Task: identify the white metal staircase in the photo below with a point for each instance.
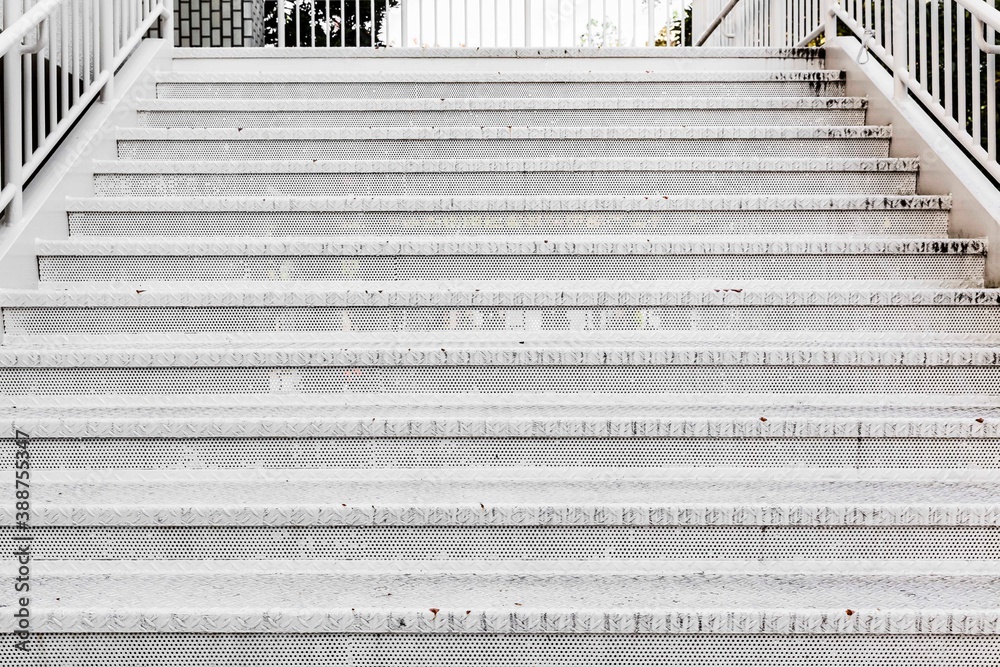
(549, 361)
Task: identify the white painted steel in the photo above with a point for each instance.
(911, 50)
(78, 45)
(607, 391)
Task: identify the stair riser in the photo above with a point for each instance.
(396, 649)
(950, 270)
(520, 89)
(506, 543)
(864, 381)
(502, 118)
(924, 223)
(32, 323)
(737, 446)
(495, 149)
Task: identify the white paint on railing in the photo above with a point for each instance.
(74, 49)
(955, 82)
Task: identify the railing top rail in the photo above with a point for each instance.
(11, 37)
(983, 11)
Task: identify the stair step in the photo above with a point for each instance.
(395, 649)
(485, 498)
(539, 84)
(498, 143)
(497, 59)
(500, 369)
(948, 263)
(887, 215)
(245, 597)
(642, 177)
(503, 112)
(510, 548)
(35, 318)
(512, 421)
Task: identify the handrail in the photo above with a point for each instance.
(716, 22)
(925, 68)
(79, 46)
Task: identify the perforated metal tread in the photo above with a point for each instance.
(523, 294)
(643, 177)
(504, 112)
(476, 603)
(950, 263)
(580, 650)
(301, 84)
(464, 76)
(291, 87)
(499, 143)
(885, 215)
(520, 549)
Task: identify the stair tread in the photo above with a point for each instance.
(848, 132)
(402, 350)
(536, 245)
(539, 203)
(501, 104)
(511, 294)
(458, 76)
(819, 164)
(268, 599)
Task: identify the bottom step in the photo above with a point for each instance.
(391, 650)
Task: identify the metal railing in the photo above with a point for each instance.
(74, 50)
(943, 53)
(479, 23)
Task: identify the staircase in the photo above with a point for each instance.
(562, 361)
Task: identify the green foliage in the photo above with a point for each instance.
(361, 26)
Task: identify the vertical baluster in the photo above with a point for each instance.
(496, 22)
(451, 23)
(26, 112)
(911, 32)
(52, 105)
(991, 98)
(420, 22)
(948, 89)
(510, 22)
(64, 59)
(527, 23)
(357, 22)
(86, 46)
(545, 31)
(343, 23)
(975, 70)
(559, 23)
(39, 60)
(960, 84)
(328, 26)
(935, 53)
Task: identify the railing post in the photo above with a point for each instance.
(899, 39)
(107, 33)
(167, 25)
(13, 155)
(829, 20)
